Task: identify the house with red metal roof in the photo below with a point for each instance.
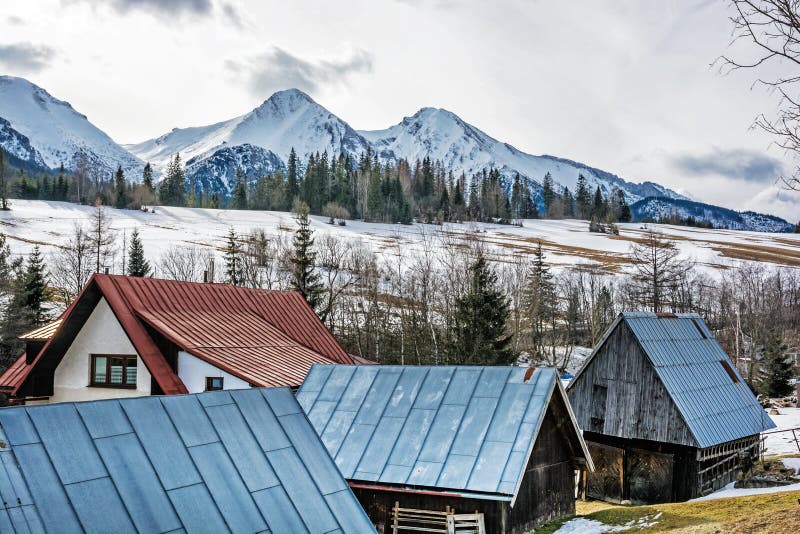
(127, 337)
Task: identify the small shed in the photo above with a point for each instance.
(497, 443)
(224, 461)
(666, 414)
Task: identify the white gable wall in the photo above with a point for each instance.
(193, 372)
(101, 334)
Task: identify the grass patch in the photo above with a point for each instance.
(775, 513)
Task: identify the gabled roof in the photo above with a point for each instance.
(466, 430)
(267, 338)
(240, 460)
(687, 358)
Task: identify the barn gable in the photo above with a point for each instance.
(619, 393)
(678, 384)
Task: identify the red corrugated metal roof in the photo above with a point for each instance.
(13, 377)
(267, 338)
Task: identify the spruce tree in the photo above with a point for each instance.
(599, 205)
(548, 193)
(3, 184)
(138, 265)
(777, 371)
(234, 269)
(35, 291)
(121, 195)
(239, 200)
(292, 183)
(147, 177)
(583, 199)
(540, 301)
(480, 336)
(305, 279)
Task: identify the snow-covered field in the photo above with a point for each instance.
(783, 443)
(567, 243)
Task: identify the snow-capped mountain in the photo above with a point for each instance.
(286, 119)
(56, 134)
(664, 209)
(216, 172)
(441, 135)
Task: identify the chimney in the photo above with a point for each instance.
(105, 270)
(205, 277)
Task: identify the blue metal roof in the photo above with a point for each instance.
(687, 357)
(238, 461)
(458, 429)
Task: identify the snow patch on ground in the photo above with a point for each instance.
(581, 525)
(783, 443)
(792, 463)
(730, 491)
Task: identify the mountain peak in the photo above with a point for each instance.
(288, 100)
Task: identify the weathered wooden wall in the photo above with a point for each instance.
(547, 491)
(620, 394)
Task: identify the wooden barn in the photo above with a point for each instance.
(495, 448)
(666, 415)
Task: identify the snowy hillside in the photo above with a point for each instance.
(656, 209)
(567, 243)
(286, 119)
(56, 132)
(442, 135)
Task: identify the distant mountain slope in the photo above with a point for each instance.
(442, 135)
(57, 132)
(286, 119)
(216, 172)
(660, 209)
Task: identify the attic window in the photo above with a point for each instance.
(697, 325)
(214, 383)
(728, 369)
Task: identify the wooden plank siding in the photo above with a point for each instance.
(637, 405)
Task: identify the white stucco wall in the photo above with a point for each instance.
(101, 334)
(193, 372)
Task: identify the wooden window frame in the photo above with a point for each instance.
(210, 379)
(125, 358)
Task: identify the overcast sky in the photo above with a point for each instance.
(623, 85)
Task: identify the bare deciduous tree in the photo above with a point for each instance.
(73, 265)
(186, 264)
(658, 271)
(773, 27)
(102, 238)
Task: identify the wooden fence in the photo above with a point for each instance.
(447, 522)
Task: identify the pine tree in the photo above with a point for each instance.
(548, 193)
(540, 301)
(583, 199)
(35, 291)
(479, 336)
(239, 200)
(147, 178)
(3, 185)
(292, 183)
(234, 269)
(172, 190)
(138, 265)
(777, 367)
(121, 196)
(305, 279)
(599, 205)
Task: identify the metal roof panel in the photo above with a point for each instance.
(448, 428)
